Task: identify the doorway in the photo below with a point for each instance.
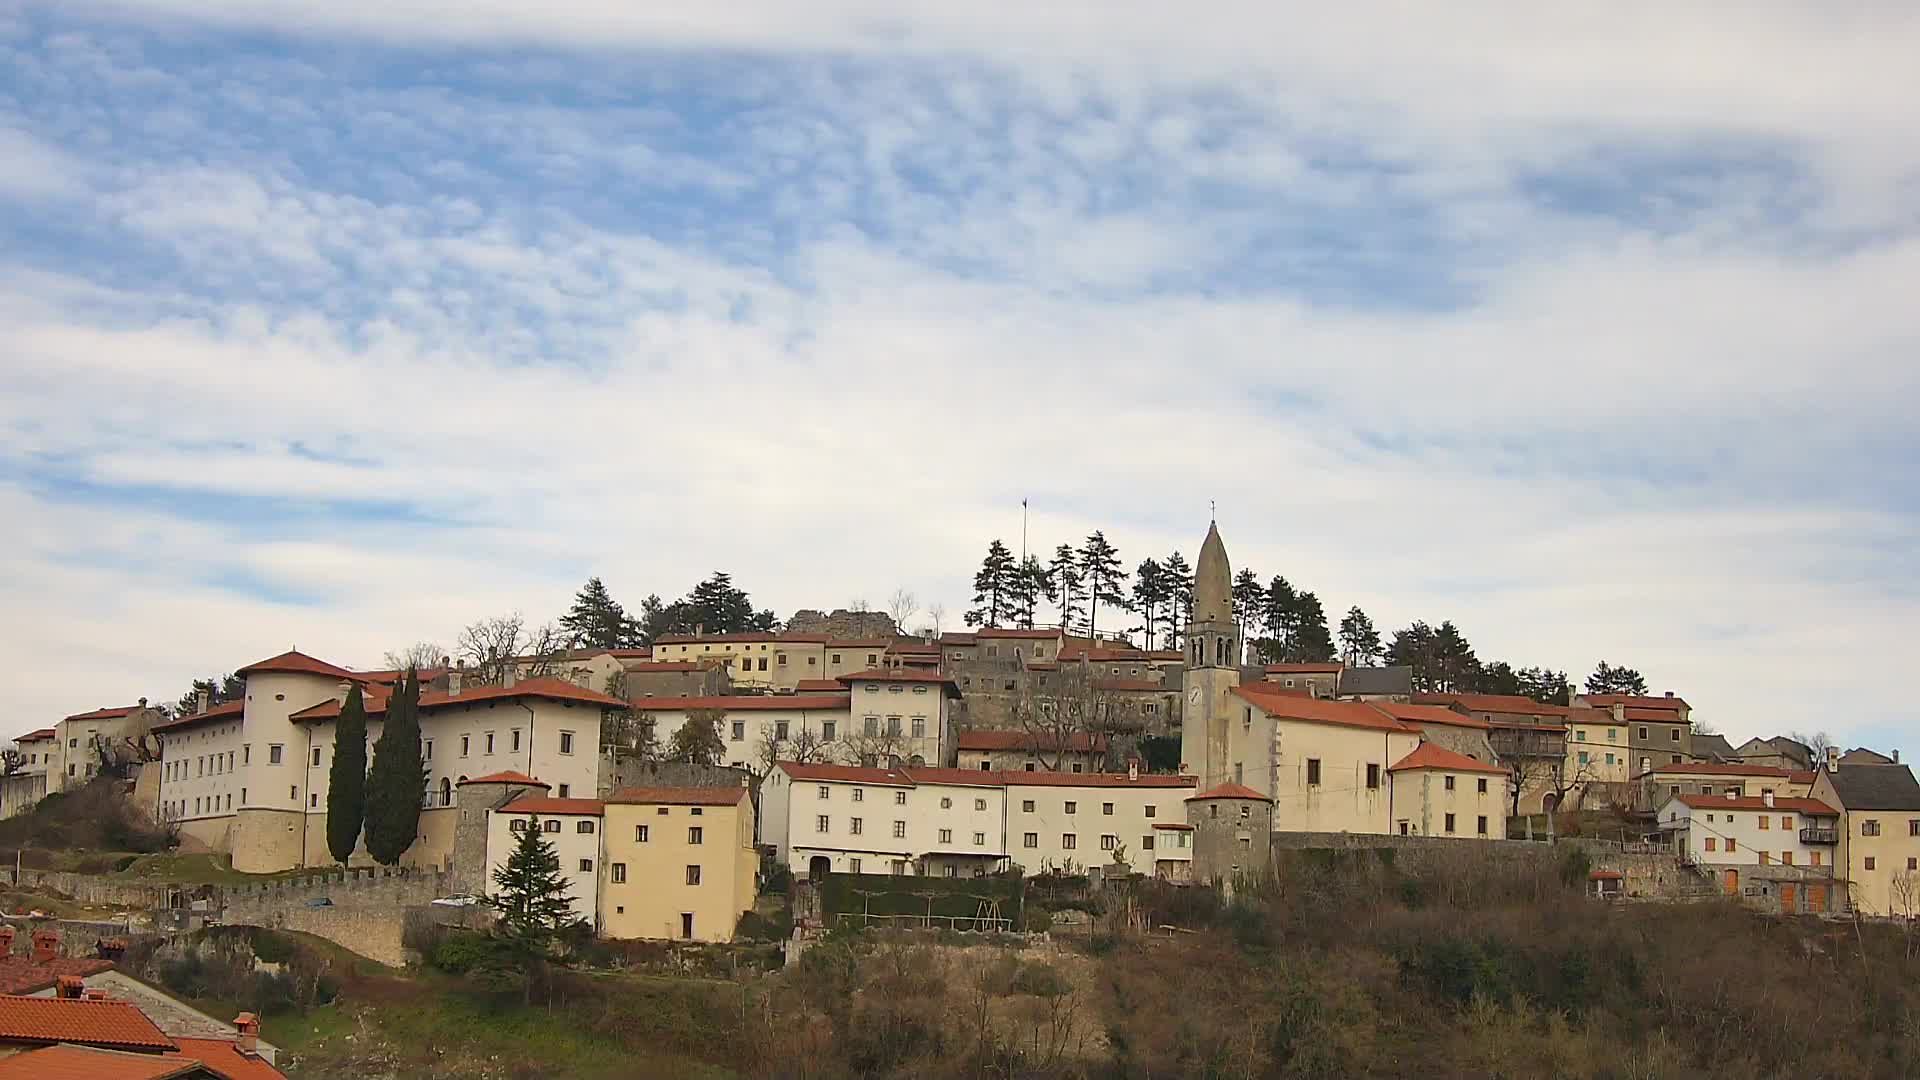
(1732, 882)
(1789, 898)
(686, 925)
(1817, 899)
(819, 867)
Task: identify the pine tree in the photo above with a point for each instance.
(698, 739)
(398, 777)
(1456, 666)
(1149, 593)
(993, 587)
(1359, 641)
(1105, 578)
(347, 779)
(1312, 644)
(1249, 598)
(532, 892)
(1064, 576)
(1607, 679)
(1180, 598)
(1029, 585)
(1279, 617)
(716, 606)
(596, 620)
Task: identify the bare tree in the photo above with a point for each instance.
(11, 761)
(1819, 742)
(547, 654)
(902, 605)
(492, 645)
(936, 616)
(1060, 708)
(805, 746)
(880, 747)
(420, 654)
(628, 734)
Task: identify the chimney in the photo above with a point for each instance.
(1133, 768)
(6, 940)
(456, 679)
(206, 699)
(248, 1041)
(46, 946)
(1669, 693)
(1833, 758)
(94, 993)
(1896, 757)
(509, 673)
(1767, 798)
(143, 703)
(68, 987)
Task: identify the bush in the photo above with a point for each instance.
(757, 927)
(271, 947)
(1039, 920)
(1039, 979)
(1575, 867)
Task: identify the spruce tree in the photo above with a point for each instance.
(531, 892)
(1607, 679)
(1279, 619)
(1311, 641)
(993, 587)
(347, 779)
(597, 620)
(398, 777)
(1105, 578)
(1029, 584)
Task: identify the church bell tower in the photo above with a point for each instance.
(1213, 668)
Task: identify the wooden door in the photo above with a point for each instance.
(1817, 898)
(1733, 882)
(1789, 898)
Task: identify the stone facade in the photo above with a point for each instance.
(1232, 834)
(469, 848)
(842, 624)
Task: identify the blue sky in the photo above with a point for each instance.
(346, 327)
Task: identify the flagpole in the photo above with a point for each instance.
(1023, 532)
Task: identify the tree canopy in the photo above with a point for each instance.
(698, 739)
(398, 777)
(347, 779)
(1607, 679)
(994, 588)
(598, 621)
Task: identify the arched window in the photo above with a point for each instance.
(1220, 651)
(446, 792)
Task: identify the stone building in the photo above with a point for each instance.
(1232, 834)
(479, 798)
(1320, 680)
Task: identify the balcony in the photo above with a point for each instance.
(1819, 836)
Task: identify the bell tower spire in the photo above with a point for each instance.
(1213, 666)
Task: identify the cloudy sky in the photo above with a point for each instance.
(1595, 332)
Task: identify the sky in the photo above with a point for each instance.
(1593, 329)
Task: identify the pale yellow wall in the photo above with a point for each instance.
(266, 841)
(1600, 741)
(924, 702)
(649, 904)
(1341, 802)
(571, 845)
(1891, 887)
(1048, 824)
(1421, 801)
(804, 660)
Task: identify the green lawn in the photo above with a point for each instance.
(198, 869)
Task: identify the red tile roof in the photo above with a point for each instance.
(87, 1063)
(1637, 701)
(1806, 776)
(20, 975)
(849, 773)
(819, 686)
(960, 777)
(991, 739)
(540, 804)
(685, 796)
(544, 688)
(116, 1024)
(36, 736)
(1304, 669)
(746, 702)
(1434, 756)
(1711, 768)
(1754, 802)
(105, 714)
(1657, 716)
(223, 1057)
(1515, 704)
(904, 675)
(293, 662)
(1006, 632)
(1293, 707)
(914, 647)
(754, 636)
(1131, 686)
(1526, 725)
(961, 640)
(1020, 778)
(507, 778)
(1428, 714)
(1229, 791)
(226, 710)
(906, 776)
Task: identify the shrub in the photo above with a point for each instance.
(1039, 979)
(271, 947)
(1039, 920)
(1575, 866)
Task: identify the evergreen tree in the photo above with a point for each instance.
(398, 777)
(698, 739)
(597, 621)
(1248, 600)
(1029, 585)
(716, 606)
(1105, 578)
(1359, 641)
(531, 892)
(1180, 595)
(1149, 593)
(347, 778)
(1545, 685)
(1279, 617)
(1414, 648)
(1312, 644)
(993, 587)
(1455, 666)
(220, 690)
(1607, 679)
(1064, 576)
(658, 619)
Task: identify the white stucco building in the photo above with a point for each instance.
(573, 826)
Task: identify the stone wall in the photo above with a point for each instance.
(115, 892)
(628, 773)
(367, 916)
(842, 624)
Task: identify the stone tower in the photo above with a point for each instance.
(1213, 667)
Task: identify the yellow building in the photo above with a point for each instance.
(1596, 748)
(1878, 845)
(1437, 792)
(775, 661)
(680, 863)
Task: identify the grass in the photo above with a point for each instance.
(201, 869)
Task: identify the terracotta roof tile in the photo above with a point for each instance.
(105, 714)
(36, 736)
(544, 688)
(1428, 714)
(223, 1057)
(733, 703)
(1071, 779)
(849, 773)
(1753, 802)
(507, 778)
(540, 804)
(1513, 704)
(819, 686)
(1229, 791)
(956, 777)
(226, 710)
(1434, 756)
(686, 796)
(20, 975)
(88, 1063)
(293, 662)
(114, 1024)
(905, 675)
(1345, 713)
(1005, 632)
(1637, 701)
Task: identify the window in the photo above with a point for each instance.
(586, 866)
(1026, 806)
(696, 834)
(514, 739)
(639, 834)
(836, 658)
(313, 800)
(853, 866)
(1730, 843)
(946, 802)
(1869, 827)
(1786, 858)
(763, 667)
(739, 730)
(1814, 857)
(1765, 857)
(1146, 843)
(1913, 863)
(826, 731)
(1106, 809)
(617, 873)
(823, 792)
(893, 725)
(859, 794)
(1579, 736)
(1449, 823)
(979, 839)
(855, 825)
(1765, 822)
(780, 659)
(489, 742)
(1109, 842)
(820, 823)
(979, 804)
(316, 759)
(1482, 790)
(1373, 776)
(899, 798)
(1031, 840)
(1068, 840)
(550, 825)
(565, 789)
(583, 828)
(1712, 845)
(1673, 734)
(1481, 825)
(516, 825)
(1150, 811)
(1643, 734)
(1868, 862)
(292, 792)
(871, 725)
(426, 750)
(779, 731)
(1076, 766)
(466, 744)
(1449, 783)
(919, 727)
(1073, 807)
(946, 836)
(899, 830)
(693, 878)
(1913, 826)
(1313, 772)
(273, 754)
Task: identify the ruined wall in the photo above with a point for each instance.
(843, 624)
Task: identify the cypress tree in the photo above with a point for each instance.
(398, 777)
(347, 779)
